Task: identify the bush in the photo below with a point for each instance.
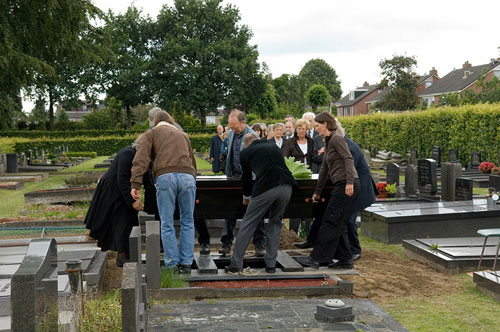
(92, 154)
(466, 128)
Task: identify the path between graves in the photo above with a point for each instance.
(384, 276)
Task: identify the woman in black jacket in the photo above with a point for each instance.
(300, 146)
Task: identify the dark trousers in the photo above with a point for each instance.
(332, 241)
(259, 236)
(352, 234)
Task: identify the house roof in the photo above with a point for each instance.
(344, 101)
(456, 81)
(378, 96)
(420, 79)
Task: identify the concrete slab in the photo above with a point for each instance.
(11, 259)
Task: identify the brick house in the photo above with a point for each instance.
(354, 103)
(459, 80)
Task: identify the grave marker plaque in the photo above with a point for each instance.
(436, 154)
(463, 189)
(393, 174)
(475, 159)
(411, 180)
(414, 157)
(427, 176)
(449, 173)
(453, 157)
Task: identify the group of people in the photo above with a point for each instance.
(162, 160)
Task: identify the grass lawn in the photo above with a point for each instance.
(86, 166)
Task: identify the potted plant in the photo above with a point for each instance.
(391, 190)
(486, 167)
(382, 189)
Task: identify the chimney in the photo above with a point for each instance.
(466, 65)
(365, 85)
(433, 72)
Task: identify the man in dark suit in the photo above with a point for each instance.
(271, 192)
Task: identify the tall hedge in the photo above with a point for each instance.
(466, 128)
(103, 146)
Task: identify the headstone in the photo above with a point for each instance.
(463, 189)
(393, 174)
(36, 153)
(375, 152)
(427, 176)
(436, 154)
(414, 157)
(449, 173)
(23, 159)
(384, 155)
(43, 156)
(30, 157)
(411, 180)
(494, 182)
(475, 160)
(453, 157)
(153, 254)
(34, 304)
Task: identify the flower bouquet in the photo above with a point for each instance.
(486, 167)
(382, 189)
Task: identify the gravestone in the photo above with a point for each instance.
(36, 153)
(475, 160)
(393, 174)
(427, 176)
(34, 304)
(463, 189)
(30, 157)
(43, 156)
(411, 180)
(153, 254)
(453, 157)
(23, 159)
(436, 155)
(414, 157)
(494, 182)
(449, 173)
(375, 152)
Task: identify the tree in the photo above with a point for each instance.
(267, 105)
(126, 73)
(317, 95)
(290, 89)
(401, 81)
(318, 71)
(202, 58)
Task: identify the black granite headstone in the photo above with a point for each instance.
(453, 155)
(427, 176)
(413, 156)
(463, 189)
(449, 173)
(494, 182)
(411, 180)
(393, 174)
(436, 154)
(475, 159)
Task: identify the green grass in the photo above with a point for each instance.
(86, 166)
(103, 313)
(170, 279)
(466, 310)
(371, 244)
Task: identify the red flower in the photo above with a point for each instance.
(381, 187)
(486, 167)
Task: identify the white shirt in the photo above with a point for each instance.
(303, 147)
(279, 143)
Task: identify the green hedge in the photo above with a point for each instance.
(465, 128)
(91, 133)
(92, 154)
(103, 146)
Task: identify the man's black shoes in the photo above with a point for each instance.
(303, 245)
(342, 265)
(230, 269)
(225, 250)
(183, 268)
(308, 261)
(270, 270)
(205, 249)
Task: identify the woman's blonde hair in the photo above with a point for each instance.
(302, 122)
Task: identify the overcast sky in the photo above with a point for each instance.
(353, 36)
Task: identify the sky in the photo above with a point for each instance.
(354, 36)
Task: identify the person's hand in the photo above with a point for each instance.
(321, 151)
(315, 198)
(349, 189)
(135, 193)
(137, 205)
(246, 201)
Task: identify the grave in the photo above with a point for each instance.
(393, 174)
(436, 155)
(53, 196)
(475, 160)
(395, 222)
(453, 155)
(411, 180)
(488, 282)
(449, 174)
(452, 255)
(11, 185)
(494, 182)
(427, 176)
(463, 189)
(413, 157)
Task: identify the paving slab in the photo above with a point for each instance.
(260, 315)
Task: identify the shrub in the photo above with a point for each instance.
(81, 154)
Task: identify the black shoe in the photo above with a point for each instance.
(205, 249)
(225, 249)
(270, 270)
(260, 252)
(342, 265)
(303, 245)
(183, 268)
(230, 269)
(308, 261)
(355, 257)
